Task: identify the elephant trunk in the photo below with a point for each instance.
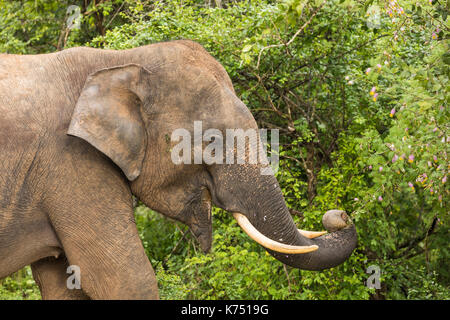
(267, 220)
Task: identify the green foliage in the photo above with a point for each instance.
(40, 26)
(359, 92)
(170, 285)
(19, 286)
(29, 26)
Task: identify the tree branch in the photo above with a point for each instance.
(413, 242)
(293, 37)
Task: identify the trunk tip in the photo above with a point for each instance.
(334, 220)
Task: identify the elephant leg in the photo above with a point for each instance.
(51, 277)
(95, 224)
(105, 247)
(90, 207)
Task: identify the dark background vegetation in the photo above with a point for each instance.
(359, 92)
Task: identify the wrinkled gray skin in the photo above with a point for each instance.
(82, 130)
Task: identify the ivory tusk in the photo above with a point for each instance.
(311, 234)
(245, 224)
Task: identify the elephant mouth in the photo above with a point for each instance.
(197, 215)
(273, 245)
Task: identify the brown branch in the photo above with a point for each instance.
(409, 245)
(176, 245)
(294, 159)
(114, 16)
(275, 109)
(293, 37)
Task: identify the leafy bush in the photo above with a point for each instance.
(19, 286)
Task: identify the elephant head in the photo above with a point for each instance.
(130, 112)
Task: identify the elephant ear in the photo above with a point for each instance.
(108, 115)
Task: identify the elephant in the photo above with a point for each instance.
(84, 130)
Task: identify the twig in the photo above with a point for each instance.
(176, 246)
(287, 276)
(114, 16)
(293, 37)
(408, 246)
